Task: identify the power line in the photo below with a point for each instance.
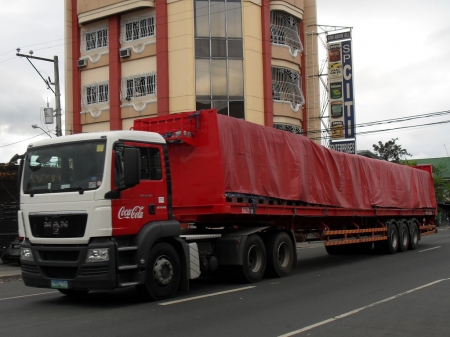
(20, 141)
(386, 130)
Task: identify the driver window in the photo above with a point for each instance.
(150, 163)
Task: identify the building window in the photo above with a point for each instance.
(284, 30)
(98, 93)
(141, 86)
(140, 28)
(96, 39)
(286, 87)
(219, 56)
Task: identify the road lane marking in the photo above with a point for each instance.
(425, 250)
(309, 327)
(15, 297)
(204, 296)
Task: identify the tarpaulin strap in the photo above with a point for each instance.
(254, 205)
(196, 114)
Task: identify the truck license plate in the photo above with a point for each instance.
(59, 284)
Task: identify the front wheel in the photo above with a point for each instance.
(162, 274)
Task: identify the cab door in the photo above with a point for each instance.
(147, 201)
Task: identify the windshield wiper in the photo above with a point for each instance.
(71, 189)
(39, 191)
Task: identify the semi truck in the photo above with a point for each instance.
(193, 193)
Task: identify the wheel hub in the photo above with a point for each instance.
(254, 258)
(163, 271)
(283, 255)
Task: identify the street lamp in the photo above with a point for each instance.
(35, 126)
(56, 84)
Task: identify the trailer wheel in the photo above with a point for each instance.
(392, 241)
(403, 235)
(280, 255)
(162, 273)
(413, 235)
(254, 264)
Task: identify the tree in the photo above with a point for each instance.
(441, 185)
(390, 151)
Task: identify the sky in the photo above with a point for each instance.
(401, 49)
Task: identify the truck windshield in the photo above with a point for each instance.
(63, 168)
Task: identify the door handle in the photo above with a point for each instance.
(151, 209)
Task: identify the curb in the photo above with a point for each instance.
(10, 278)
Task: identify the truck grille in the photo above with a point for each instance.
(60, 272)
(58, 226)
(30, 269)
(94, 271)
(59, 255)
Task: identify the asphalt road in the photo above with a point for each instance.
(405, 294)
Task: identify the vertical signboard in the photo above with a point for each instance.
(340, 86)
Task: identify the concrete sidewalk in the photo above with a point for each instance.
(9, 271)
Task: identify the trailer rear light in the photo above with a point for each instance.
(97, 255)
(26, 254)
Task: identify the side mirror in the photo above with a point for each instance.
(131, 166)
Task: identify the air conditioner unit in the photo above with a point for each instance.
(125, 52)
(82, 63)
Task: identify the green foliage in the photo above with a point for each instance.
(390, 151)
(441, 185)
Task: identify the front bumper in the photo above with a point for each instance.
(67, 265)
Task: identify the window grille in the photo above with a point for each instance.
(286, 86)
(284, 30)
(140, 86)
(140, 28)
(289, 128)
(97, 39)
(96, 94)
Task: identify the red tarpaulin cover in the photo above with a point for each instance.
(265, 161)
(231, 155)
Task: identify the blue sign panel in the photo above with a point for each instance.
(347, 90)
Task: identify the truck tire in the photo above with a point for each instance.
(280, 255)
(254, 259)
(413, 235)
(403, 235)
(162, 273)
(389, 246)
(392, 242)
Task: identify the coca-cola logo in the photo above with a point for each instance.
(131, 213)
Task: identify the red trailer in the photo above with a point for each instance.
(194, 192)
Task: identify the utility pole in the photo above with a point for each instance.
(48, 82)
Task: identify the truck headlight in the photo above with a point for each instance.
(97, 255)
(26, 254)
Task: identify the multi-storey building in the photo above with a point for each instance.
(127, 59)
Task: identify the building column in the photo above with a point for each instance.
(267, 63)
(303, 72)
(115, 73)
(162, 58)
